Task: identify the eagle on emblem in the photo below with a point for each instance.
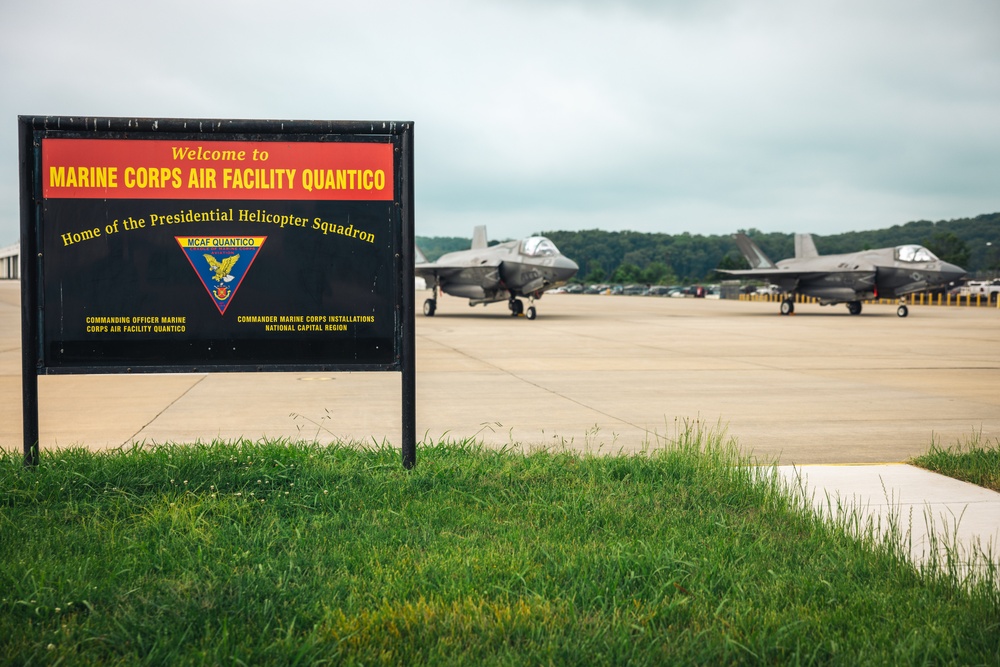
(222, 268)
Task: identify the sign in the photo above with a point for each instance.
(178, 245)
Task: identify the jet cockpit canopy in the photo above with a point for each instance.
(914, 253)
(538, 246)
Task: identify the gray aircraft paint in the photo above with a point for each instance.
(504, 272)
(848, 278)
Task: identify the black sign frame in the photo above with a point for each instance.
(360, 318)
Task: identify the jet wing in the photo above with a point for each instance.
(767, 274)
(792, 274)
(482, 271)
(834, 283)
(784, 279)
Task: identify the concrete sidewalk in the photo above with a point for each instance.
(934, 513)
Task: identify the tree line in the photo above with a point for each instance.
(668, 259)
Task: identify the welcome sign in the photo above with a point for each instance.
(184, 248)
(180, 245)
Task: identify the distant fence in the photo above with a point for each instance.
(920, 299)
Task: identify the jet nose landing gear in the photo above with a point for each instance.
(430, 305)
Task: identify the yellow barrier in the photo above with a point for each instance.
(921, 299)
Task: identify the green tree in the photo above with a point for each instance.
(435, 246)
(694, 257)
(992, 262)
(733, 262)
(948, 247)
(627, 273)
(596, 274)
(658, 273)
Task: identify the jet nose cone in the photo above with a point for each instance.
(565, 268)
(951, 273)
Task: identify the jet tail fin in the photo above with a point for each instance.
(754, 255)
(804, 246)
(479, 238)
(418, 256)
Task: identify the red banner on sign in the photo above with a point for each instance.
(153, 169)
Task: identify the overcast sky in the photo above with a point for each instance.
(701, 116)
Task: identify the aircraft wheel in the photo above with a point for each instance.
(516, 307)
(787, 307)
(430, 305)
(903, 311)
(854, 307)
(531, 313)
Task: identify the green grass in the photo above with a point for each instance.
(972, 461)
(282, 553)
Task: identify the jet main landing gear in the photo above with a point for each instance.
(517, 309)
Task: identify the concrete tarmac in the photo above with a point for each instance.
(592, 373)
(595, 373)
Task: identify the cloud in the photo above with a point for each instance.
(676, 116)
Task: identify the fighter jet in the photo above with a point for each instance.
(488, 274)
(850, 278)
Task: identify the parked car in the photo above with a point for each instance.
(984, 289)
(696, 291)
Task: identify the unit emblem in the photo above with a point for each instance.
(221, 263)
